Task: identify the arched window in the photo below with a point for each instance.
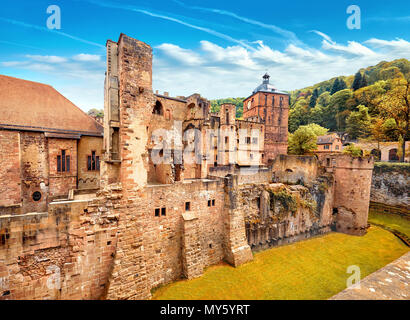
(393, 155)
(158, 109)
(168, 114)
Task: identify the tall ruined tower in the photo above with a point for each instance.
(129, 101)
(127, 109)
(269, 106)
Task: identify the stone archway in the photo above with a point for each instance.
(393, 155)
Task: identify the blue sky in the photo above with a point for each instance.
(216, 48)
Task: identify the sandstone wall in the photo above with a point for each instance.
(10, 182)
(276, 213)
(88, 179)
(352, 192)
(35, 170)
(61, 182)
(292, 169)
(391, 184)
(65, 253)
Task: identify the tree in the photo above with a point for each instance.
(358, 123)
(338, 109)
(313, 99)
(395, 104)
(96, 113)
(370, 96)
(377, 132)
(298, 115)
(342, 84)
(357, 82)
(335, 87)
(363, 83)
(304, 139)
(353, 150)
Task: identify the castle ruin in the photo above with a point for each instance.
(181, 188)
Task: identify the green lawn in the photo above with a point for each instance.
(392, 221)
(311, 269)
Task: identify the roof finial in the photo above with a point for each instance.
(266, 78)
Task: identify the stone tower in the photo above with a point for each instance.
(269, 106)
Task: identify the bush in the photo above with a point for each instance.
(353, 150)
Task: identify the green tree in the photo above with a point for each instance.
(338, 110)
(298, 115)
(96, 113)
(304, 139)
(335, 87)
(395, 104)
(353, 150)
(357, 82)
(313, 98)
(358, 123)
(342, 84)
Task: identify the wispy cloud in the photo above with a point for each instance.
(70, 75)
(389, 19)
(236, 71)
(87, 57)
(285, 33)
(32, 26)
(169, 18)
(48, 59)
(20, 45)
(352, 47)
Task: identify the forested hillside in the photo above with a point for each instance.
(216, 104)
(372, 103)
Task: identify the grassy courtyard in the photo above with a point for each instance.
(311, 269)
(392, 221)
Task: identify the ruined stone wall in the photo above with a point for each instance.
(61, 182)
(292, 169)
(390, 184)
(353, 176)
(34, 170)
(277, 214)
(65, 253)
(10, 182)
(88, 179)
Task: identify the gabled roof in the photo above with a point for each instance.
(327, 139)
(27, 105)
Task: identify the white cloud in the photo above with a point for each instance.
(235, 71)
(86, 57)
(183, 56)
(48, 59)
(216, 71)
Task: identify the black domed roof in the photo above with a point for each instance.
(265, 86)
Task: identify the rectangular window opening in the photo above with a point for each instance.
(157, 211)
(187, 206)
(163, 211)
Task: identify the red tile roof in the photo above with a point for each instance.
(27, 105)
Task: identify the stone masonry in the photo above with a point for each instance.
(153, 223)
